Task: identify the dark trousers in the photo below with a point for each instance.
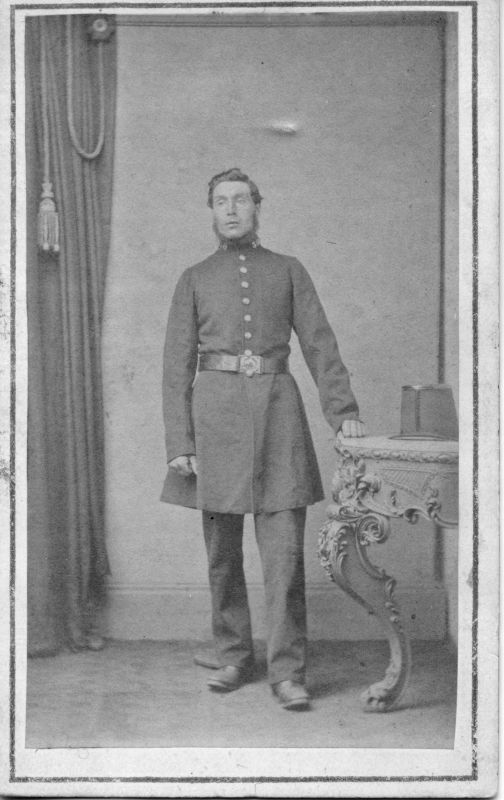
(279, 537)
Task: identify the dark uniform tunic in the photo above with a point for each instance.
(250, 434)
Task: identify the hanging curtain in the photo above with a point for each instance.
(67, 559)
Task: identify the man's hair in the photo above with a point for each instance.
(233, 174)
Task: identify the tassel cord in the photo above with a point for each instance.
(89, 155)
(45, 114)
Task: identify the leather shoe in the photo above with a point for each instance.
(227, 679)
(292, 695)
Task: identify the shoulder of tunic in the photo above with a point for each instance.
(289, 261)
(213, 258)
(298, 273)
(193, 271)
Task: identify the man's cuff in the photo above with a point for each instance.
(187, 455)
(340, 420)
(182, 448)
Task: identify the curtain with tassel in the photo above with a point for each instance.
(70, 118)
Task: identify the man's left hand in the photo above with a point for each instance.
(353, 427)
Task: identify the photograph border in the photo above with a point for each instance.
(110, 6)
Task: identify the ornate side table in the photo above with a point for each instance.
(379, 479)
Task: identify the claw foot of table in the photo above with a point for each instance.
(343, 553)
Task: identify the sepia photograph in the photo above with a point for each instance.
(250, 329)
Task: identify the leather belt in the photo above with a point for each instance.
(249, 365)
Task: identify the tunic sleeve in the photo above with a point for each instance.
(179, 368)
(320, 350)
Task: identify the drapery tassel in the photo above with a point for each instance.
(48, 221)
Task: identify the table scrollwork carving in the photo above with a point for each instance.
(370, 489)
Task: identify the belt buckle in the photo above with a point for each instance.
(250, 365)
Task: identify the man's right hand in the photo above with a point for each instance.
(184, 465)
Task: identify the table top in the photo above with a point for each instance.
(421, 449)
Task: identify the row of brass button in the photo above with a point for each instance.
(247, 317)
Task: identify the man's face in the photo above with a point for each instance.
(234, 211)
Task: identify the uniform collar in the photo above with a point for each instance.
(246, 243)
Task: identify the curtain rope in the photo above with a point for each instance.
(69, 87)
(45, 115)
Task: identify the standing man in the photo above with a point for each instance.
(237, 437)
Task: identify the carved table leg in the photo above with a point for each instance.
(343, 546)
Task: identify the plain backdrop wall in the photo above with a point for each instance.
(354, 192)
